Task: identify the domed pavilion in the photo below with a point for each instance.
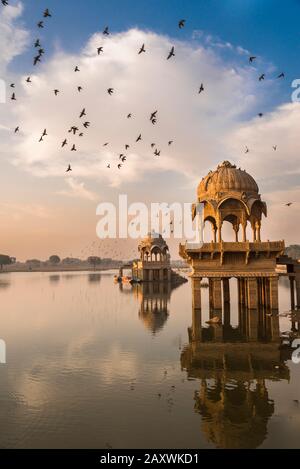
(155, 260)
(230, 194)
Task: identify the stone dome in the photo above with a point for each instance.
(153, 240)
(227, 178)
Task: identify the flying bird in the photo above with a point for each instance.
(252, 58)
(64, 143)
(36, 59)
(4, 2)
(262, 77)
(142, 49)
(73, 148)
(275, 147)
(153, 115)
(289, 204)
(110, 91)
(83, 113)
(282, 75)
(28, 80)
(86, 124)
(56, 92)
(201, 89)
(181, 24)
(129, 116)
(171, 54)
(40, 24)
(79, 89)
(37, 43)
(170, 143)
(47, 14)
(139, 139)
(76, 69)
(69, 169)
(100, 50)
(12, 85)
(106, 31)
(247, 150)
(13, 97)
(17, 129)
(260, 114)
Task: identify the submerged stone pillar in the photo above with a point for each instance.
(274, 300)
(292, 290)
(217, 294)
(196, 286)
(226, 290)
(252, 293)
(298, 290)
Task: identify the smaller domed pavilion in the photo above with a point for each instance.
(155, 261)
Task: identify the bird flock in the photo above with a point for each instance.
(79, 130)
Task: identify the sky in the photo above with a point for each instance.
(45, 211)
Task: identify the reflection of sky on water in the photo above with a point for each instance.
(85, 369)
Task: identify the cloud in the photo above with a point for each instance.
(196, 123)
(77, 190)
(13, 38)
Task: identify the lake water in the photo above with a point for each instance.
(91, 365)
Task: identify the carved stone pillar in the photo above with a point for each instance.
(252, 293)
(292, 290)
(298, 290)
(196, 286)
(217, 294)
(274, 301)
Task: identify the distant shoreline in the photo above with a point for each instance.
(50, 269)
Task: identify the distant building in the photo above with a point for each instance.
(154, 264)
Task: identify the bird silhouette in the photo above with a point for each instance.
(13, 97)
(171, 53)
(83, 113)
(106, 31)
(110, 91)
(47, 14)
(275, 147)
(64, 143)
(40, 24)
(289, 204)
(282, 75)
(76, 69)
(181, 24)
(37, 43)
(69, 169)
(86, 124)
(142, 49)
(73, 148)
(36, 60)
(56, 92)
(260, 114)
(100, 50)
(17, 129)
(139, 139)
(252, 58)
(262, 77)
(28, 80)
(79, 89)
(201, 89)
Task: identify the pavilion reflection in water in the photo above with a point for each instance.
(234, 365)
(154, 299)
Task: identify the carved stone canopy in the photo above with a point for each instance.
(231, 194)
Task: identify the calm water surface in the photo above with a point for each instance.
(90, 365)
